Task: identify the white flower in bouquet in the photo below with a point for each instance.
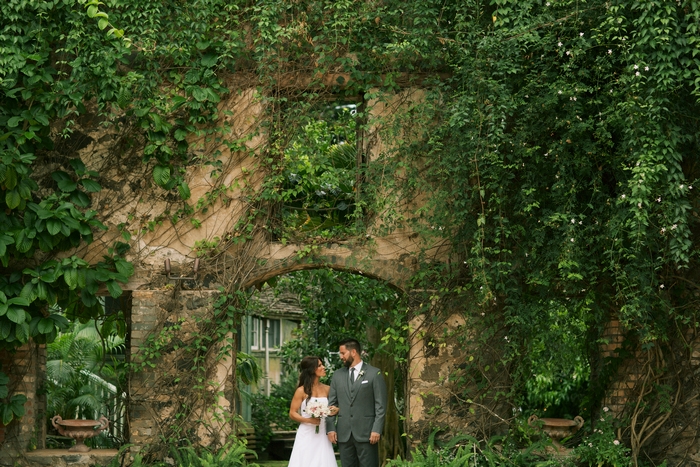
(317, 409)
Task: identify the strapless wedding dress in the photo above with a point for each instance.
(312, 449)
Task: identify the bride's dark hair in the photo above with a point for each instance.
(307, 373)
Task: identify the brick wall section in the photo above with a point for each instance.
(144, 319)
(156, 391)
(26, 368)
(618, 393)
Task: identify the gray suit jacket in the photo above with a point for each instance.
(362, 405)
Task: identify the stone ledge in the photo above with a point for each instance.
(58, 458)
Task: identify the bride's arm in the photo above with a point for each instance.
(295, 408)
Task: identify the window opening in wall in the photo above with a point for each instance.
(319, 187)
(86, 372)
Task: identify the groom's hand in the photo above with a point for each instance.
(333, 437)
(374, 438)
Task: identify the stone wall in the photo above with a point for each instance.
(163, 323)
(452, 383)
(26, 368)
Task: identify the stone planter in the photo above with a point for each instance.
(557, 428)
(79, 430)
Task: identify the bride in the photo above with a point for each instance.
(311, 447)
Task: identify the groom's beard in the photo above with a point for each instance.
(347, 363)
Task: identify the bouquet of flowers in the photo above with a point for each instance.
(317, 409)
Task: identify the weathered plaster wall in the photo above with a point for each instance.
(442, 370)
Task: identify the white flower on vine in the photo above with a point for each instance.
(559, 92)
(616, 442)
(682, 186)
(609, 51)
(639, 205)
(658, 200)
(568, 52)
(663, 230)
(559, 44)
(662, 286)
(673, 227)
(572, 240)
(580, 222)
(580, 34)
(623, 196)
(636, 67)
(590, 445)
(636, 74)
(605, 409)
(573, 221)
(646, 68)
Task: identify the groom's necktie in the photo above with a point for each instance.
(352, 375)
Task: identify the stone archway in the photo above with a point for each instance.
(387, 266)
(167, 308)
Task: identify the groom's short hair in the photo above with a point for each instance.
(351, 344)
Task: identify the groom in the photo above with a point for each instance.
(359, 391)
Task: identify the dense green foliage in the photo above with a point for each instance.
(339, 305)
(563, 168)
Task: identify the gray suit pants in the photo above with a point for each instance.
(356, 454)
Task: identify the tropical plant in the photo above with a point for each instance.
(85, 377)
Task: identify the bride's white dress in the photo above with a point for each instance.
(312, 449)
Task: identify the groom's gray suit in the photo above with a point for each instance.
(362, 407)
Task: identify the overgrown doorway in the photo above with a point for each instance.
(334, 305)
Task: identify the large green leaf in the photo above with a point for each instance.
(17, 402)
(22, 241)
(12, 199)
(7, 413)
(124, 267)
(80, 199)
(184, 190)
(46, 325)
(22, 332)
(53, 226)
(5, 327)
(16, 315)
(161, 174)
(114, 290)
(90, 185)
(71, 278)
(29, 291)
(67, 185)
